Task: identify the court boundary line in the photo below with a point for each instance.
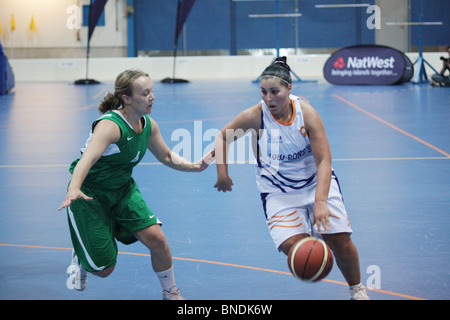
(219, 263)
(351, 104)
(59, 165)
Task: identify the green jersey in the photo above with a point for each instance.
(114, 168)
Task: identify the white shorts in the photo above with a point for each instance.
(289, 214)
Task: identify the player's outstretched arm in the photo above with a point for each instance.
(247, 120)
(105, 133)
(162, 152)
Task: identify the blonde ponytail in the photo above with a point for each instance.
(110, 102)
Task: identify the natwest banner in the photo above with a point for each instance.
(368, 64)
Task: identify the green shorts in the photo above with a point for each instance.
(95, 225)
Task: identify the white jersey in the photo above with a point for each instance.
(284, 159)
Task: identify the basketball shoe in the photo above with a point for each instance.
(172, 294)
(358, 292)
(77, 275)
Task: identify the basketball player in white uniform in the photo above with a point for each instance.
(299, 190)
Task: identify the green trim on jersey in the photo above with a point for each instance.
(114, 168)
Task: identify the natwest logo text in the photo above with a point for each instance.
(370, 62)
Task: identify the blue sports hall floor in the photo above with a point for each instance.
(391, 152)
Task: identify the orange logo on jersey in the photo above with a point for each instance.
(303, 131)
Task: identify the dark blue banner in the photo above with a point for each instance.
(368, 64)
(184, 7)
(95, 11)
(7, 81)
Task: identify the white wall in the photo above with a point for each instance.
(191, 68)
(209, 67)
(51, 17)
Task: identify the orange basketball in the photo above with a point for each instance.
(310, 259)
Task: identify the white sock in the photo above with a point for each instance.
(167, 279)
(357, 287)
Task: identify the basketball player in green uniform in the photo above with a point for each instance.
(103, 202)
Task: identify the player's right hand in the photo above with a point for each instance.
(224, 184)
(72, 196)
